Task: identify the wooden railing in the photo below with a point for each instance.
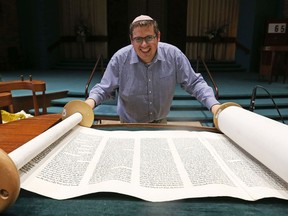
(204, 39)
(70, 39)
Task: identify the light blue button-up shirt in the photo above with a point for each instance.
(145, 92)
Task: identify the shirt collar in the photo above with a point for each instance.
(159, 55)
(134, 58)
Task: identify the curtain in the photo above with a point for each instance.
(205, 16)
(285, 9)
(82, 18)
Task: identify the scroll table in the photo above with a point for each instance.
(14, 134)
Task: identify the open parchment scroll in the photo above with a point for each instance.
(248, 161)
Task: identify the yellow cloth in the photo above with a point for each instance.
(7, 117)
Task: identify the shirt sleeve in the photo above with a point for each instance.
(194, 83)
(109, 82)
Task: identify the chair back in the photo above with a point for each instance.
(6, 101)
(33, 85)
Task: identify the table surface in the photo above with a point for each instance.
(14, 134)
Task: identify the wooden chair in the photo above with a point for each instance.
(6, 101)
(6, 89)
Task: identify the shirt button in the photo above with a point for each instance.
(150, 102)
(149, 92)
(150, 113)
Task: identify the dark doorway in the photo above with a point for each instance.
(176, 23)
(118, 24)
(170, 14)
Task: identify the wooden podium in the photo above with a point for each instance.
(274, 62)
(274, 53)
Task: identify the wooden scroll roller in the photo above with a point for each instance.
(222, 107)
(75, 112)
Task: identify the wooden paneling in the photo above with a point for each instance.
(81, 19)
(214, 20)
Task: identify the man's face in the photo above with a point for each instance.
(145, 48)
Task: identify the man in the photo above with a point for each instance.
(145, 75)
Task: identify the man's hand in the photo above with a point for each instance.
(214, 108)
(91, 103)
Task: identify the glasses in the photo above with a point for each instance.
(147, 39)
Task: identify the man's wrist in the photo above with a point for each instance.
(214, 108)
(91, 102)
